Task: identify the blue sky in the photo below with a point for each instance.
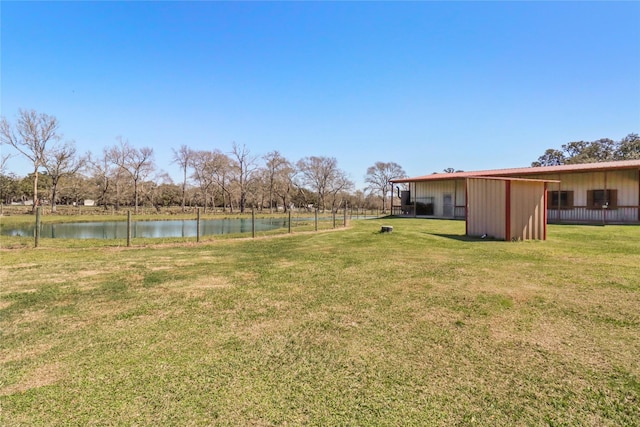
(428, 85)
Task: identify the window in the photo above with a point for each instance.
(425, 206)
(560, 200)
(597, 199)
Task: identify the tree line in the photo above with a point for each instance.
(601, 150)
(123, 175)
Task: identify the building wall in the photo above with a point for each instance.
(506, 210)
(625, 182)
(527, 200)
(486, 208)
(436, 190)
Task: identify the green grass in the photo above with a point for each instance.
(416, 327)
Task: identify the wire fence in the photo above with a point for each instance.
(125, 227)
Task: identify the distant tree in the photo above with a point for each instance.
(137, 163)
(628, 148)
(551, 157)
(323, 176)
(76, 188)
(244, 165)
(285, 184)
(182, 157)
(207, 167)
(32, 134)
(277, 177)
(9, 188)
(161, 191)
(379, 176)
(167, 194)
(211, 170)
(340, 187)
(101, 172)
(6, 182)
(221, 171)
(26, 185)
(601, 150)
(201, 162)
(61, 161)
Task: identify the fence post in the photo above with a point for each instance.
(253, 223)
(128, 228)
(316, 218)
(289, 221)
(37, 233)
(198, 225)
(345, 214)
(334, 219)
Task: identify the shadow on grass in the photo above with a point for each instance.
(465, 238)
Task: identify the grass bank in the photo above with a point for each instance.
(416, 327)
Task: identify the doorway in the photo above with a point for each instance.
(447, 205)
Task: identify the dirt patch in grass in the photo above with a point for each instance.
(25, 352)
(41, 376)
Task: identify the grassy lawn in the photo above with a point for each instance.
(349, 327)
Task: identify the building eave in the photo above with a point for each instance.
(540, 170)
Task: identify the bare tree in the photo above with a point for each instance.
(102, 173)
(323, 176)
(244, 166)
(378, 177)
(340, 186)
(4, 158)
(59, 162)
(285, 185)
(202, 163)
(161, 182)
(221, 171)
(30, 136)
(211, 170)
(137, 163)
(277, 171)
(182, 157)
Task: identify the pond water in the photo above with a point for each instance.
(118, 229)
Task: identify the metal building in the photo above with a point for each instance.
(591, 193)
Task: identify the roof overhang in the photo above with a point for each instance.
(541, 170)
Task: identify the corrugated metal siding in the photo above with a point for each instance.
(436, 190)
(486, 208)
(624, 181)
(527, 210)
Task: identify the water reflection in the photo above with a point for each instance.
(172, 228)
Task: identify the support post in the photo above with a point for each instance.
(345, 213)
(198, 226)
(128, 228)
(289, 223)
(315, 212)
(37, 231)
(253, 223)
